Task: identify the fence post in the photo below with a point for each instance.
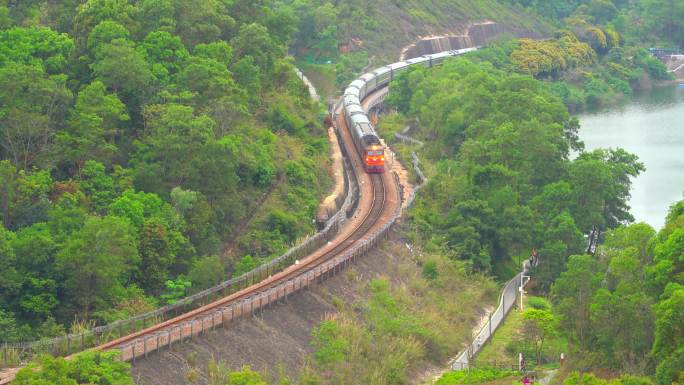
(490, 325)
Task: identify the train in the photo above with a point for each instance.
(366, 139)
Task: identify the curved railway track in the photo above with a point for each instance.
(370, 218)
(373, 212)
(378, 207)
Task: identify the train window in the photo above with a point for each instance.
(378, 153)
(370, 153)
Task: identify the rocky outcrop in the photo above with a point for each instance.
(477, 34)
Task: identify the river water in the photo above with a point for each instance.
(652, 127)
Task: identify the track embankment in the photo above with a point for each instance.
(253, 339)
(378, 206)
(277, 337)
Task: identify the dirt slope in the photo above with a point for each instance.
(279, 337)
(402, 23)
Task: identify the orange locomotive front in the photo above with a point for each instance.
(375, 158)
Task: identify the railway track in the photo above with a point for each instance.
(372, 212)
(378, 208)
(370, 218)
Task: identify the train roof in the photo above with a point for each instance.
(355, 109)
(358, 83)
(417, 60)
(350, 99)
(367, 77)
(381, 71)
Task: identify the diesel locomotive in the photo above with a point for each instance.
(366, 140)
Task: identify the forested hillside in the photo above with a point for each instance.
(151, 148)
(630, 313)
(501, 179)
(374, 32)
(135, 139)
(599, 52)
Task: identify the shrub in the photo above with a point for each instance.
(538, 303)
(473, 376)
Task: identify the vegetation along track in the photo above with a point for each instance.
(272, 289)
(378, 208)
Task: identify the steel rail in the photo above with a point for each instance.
(369, 220)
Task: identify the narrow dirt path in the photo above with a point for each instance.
(548, 377)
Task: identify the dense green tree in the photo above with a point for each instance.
(159, 155)
(207, 272)
(35, 250)
(538, 326)
(105, 33)
(8, 187)
(31, 104)
(199, 218)
(157, 15)
(96, 368)
(38, 46)
(156, 254)
(28, 193)
(94, 128)
(8, 327)
(254, 40)
(97, 260)
(9, 278)
(5, 19)
(668, 347)
(165, 52)
(247, 77)
(663, 18)
(218, 50)
(123, 69)
(208, 79)
(573, 292)
(282, 24)
(201, 21)
(97, 185)
(93, 12)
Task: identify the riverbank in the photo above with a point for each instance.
(649, 126)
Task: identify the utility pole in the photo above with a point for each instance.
(522, 287)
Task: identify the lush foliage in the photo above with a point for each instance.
(473, 376)
(347, 36)
(502, 181)
(653, 21)
(91, 368)
(382, 338)
(615, 34)
(590, 379)
(626, 305)
(138, 140)
(552, 57)
(533, 332)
